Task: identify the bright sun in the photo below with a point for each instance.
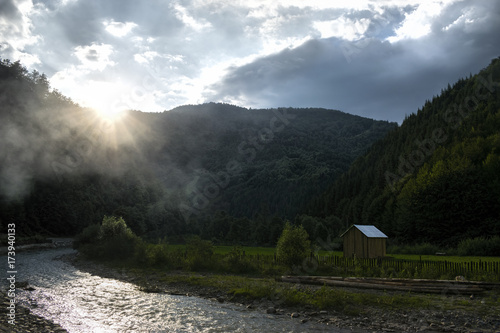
(110, 114)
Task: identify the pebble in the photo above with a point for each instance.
(26, 321)
(271, 310)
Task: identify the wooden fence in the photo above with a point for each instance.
(396, 265)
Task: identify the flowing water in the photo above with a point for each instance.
(81, 302)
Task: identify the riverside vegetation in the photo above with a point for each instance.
(199, 268)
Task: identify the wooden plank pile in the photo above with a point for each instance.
(408, 285)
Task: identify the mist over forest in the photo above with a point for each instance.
(235, 175)
(197, 169)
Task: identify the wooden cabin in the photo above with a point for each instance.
(364, 241)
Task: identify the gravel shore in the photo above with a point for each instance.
(25, 321)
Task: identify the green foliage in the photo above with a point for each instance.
(420, 249)
(236, 262)
(157, 255)
(255, 289)
(89, 235)
(113, 227)
(480, 246)
(112, 240)
(199, 254)
(293, 245)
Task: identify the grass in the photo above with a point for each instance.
(328, 298)
(257, 284)
(249, 250)
(444, 258)
(254, 250)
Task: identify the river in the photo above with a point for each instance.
(81, 302)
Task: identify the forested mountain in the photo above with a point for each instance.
(436, 178)
(225, 172)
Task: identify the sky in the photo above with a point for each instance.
(378, 59)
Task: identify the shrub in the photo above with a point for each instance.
(111, 240)
(423, 249)
(198, 253)
(480, 246)
(157, 254)
(87, 236)
(112, 227)
(293, 245)
(236, 262)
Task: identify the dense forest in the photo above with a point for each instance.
(436, 178)
(234, 175)
(229, 174)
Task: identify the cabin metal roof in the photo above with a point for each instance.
(369, 231)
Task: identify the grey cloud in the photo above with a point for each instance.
(369, 77)
(92, 55)
(11, 27)
(81, 23)
(9, 11)
(382, 25)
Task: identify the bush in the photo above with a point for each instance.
(198, 253)
(236, 262)
(111, 240)
(88, 235)
(112, 227)
(293, 245)
(157, 255)
(423, 249)
(480, 246)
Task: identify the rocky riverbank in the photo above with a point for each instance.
(448, 318)
(25, 321)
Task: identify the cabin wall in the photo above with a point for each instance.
(376, 247)
(356, 243)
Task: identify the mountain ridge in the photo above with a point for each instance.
(172, 173)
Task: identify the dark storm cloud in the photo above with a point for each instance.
(372, 77)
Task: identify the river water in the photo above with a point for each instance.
(81, 302)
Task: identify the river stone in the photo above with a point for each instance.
(22, 284)
(271, 310)
(295, 315)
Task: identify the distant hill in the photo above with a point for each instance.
(182, 171)
(249, 159)
(434, 179)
